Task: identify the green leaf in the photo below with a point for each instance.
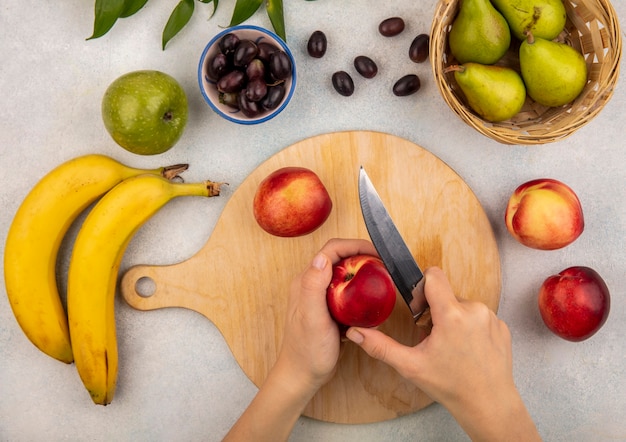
(131, 7)
(275, 13)
(177, 21)
(106, 14)
(244, 10)
(215, 4)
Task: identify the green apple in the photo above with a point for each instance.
(145, 111)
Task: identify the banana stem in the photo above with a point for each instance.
(203, 188)
(213, 188)
(172, 172)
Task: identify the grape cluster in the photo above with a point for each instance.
(249, 75)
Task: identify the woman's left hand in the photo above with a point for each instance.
(311, 339)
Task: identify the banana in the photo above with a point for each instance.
(94, 267)
(35, 236)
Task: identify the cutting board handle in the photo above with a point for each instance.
(148, 288)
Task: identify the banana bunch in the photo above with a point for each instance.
(35, 236)
(131, 196)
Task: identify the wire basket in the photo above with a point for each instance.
(591, 27)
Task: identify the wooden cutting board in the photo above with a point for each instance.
(239, 280)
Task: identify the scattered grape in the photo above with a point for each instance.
(316, 46)
(418, 52)
(391, 27)
(342, 82)
(365, 66)
(407, 85)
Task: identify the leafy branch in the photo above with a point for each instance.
(107, 12)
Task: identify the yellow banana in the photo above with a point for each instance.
(35, 235)
(94, 267)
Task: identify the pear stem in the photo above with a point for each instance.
(530, 38)
(454, 68)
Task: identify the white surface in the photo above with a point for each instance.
(177, 379)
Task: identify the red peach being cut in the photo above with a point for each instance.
(361, 292)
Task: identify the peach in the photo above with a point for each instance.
(544, 214)
(291, 201)
(574, 304)
(361, 292)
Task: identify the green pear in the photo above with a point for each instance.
(544, 18)
(479, 33)
(554, 73)
(496, 93)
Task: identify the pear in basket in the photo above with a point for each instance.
(544, 18)
(496, 93)
(554, 73)
(479, 33)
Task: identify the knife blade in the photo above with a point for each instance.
(392, 249)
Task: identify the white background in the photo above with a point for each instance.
(178, 380)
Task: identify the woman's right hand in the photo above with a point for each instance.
(465, 364)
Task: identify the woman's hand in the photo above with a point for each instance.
(465, 364)
(309, 352)
(310, 348)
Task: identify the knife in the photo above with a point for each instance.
(392, 249)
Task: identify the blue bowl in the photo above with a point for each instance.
(208, 86)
